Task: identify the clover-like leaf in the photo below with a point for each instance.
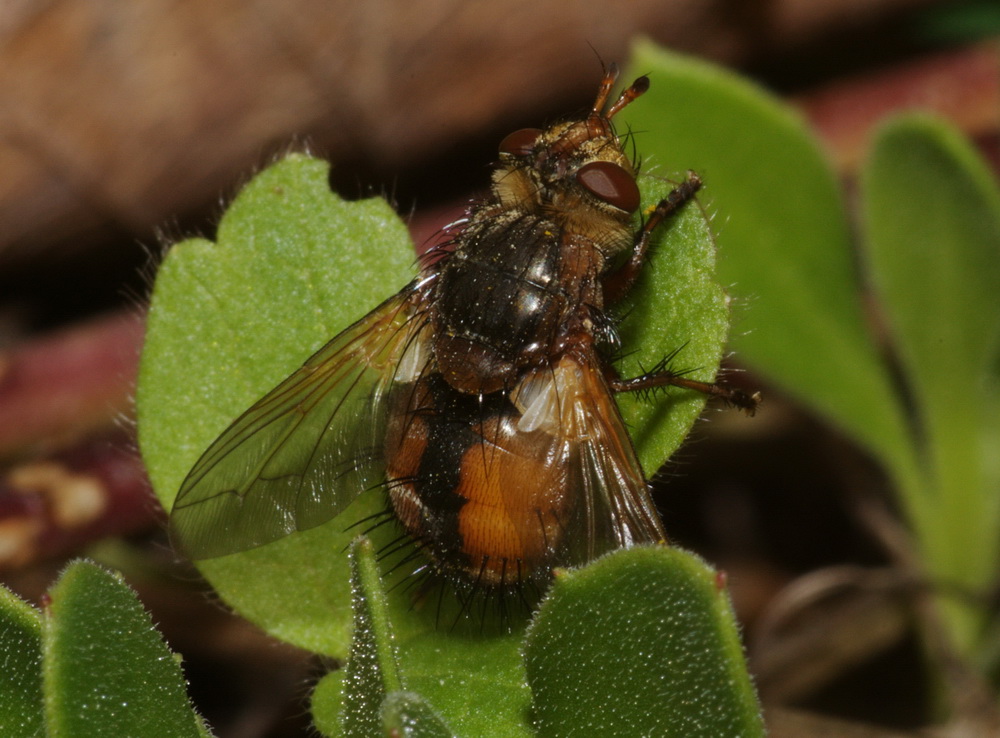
(932, 221)
(784, 243)
(105, 669)
(677, 306)
(293, 265)
(641, 642)
(21, 705)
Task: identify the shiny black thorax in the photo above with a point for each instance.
(518, 286)
(505, 297)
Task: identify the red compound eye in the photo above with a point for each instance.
(520, 143)
(610, 183)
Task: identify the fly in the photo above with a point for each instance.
(480, 396)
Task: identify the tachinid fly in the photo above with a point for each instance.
(479, 396)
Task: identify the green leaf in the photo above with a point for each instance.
(679, 305)
(641, 642)
(326, 704)
(107, 672)
(474, 679)
(371, 671)
(784, 242)
(441, 666)
(293, 266)
(20, 668)
(408, 715)
(932, 212)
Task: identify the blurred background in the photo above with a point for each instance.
(124, 127)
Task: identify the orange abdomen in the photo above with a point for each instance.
(484, 500)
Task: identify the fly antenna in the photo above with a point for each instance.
(610, 76)
(629, 94)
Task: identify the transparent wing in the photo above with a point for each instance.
(309, 447)
(610, 502)
(617, 510)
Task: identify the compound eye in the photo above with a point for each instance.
(610, 183)
(520, 143)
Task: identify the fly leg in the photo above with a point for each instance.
(617, 284)
(662, 376)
